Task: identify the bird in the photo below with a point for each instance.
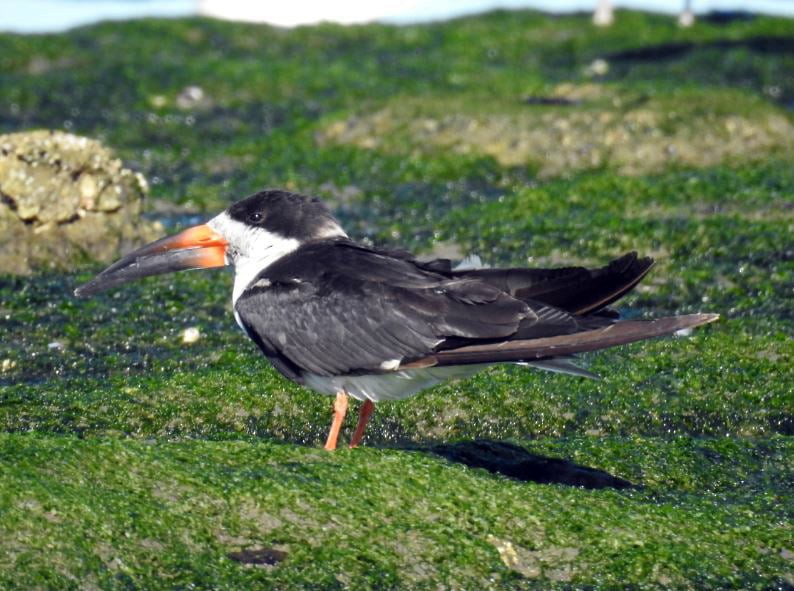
(353, 320)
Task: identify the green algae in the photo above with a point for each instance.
(345, 519)
(266, 89)
(131, 460)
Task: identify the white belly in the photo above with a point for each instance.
(406, 383)
(389, 386)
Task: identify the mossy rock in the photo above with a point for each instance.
(598, 126)
(66, 198)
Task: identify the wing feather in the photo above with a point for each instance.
(575, 289)
(527, 350)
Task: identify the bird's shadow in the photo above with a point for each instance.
(513, 461)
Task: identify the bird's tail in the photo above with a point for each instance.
(620, 333)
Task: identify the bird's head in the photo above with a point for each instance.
(250, 235)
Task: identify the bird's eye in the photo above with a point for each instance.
(255, 217)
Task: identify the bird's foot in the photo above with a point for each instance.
(340, 408)
(364, 413)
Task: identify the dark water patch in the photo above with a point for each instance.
(408, 216)
(761, 44)
(552, 101)
(727, 17)
(54, 337)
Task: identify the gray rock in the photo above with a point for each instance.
(65, 199)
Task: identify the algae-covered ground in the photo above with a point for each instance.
(132, 460)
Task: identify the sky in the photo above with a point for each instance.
(33, 16)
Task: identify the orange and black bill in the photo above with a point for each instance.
(199, 247)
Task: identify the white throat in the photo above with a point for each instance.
(252, 250)
(246, 269)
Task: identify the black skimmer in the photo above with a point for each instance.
(346, 319)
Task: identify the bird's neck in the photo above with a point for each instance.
(247, 268)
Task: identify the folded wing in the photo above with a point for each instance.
(577, 290)
(336, 309)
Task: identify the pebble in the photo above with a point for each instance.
(191, 335)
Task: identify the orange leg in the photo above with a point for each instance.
(340, 408)
(364, 413)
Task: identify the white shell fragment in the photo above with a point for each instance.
(191, 335)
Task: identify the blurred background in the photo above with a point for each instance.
(57, 15)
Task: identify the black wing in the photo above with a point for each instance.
(334, 308)
(577, 290)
